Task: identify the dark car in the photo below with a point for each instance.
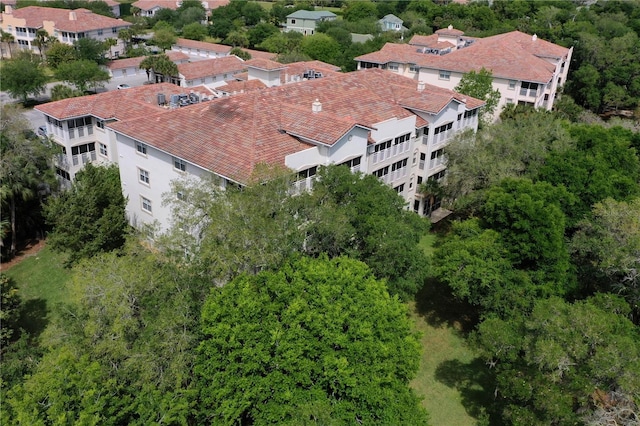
(42, 131)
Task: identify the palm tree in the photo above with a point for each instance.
(42, 40)
(110, 42)
(7, 38)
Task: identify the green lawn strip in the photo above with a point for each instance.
(41, 280)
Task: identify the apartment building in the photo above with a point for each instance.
(372, 121)
(67, 26)
(526, 70)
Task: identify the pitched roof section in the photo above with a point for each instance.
(311, 14)
(234, 87)
(513, 56)
(231, 135)
(74, 21)
(151, 4)
(118, 104)
(174, 56)
(265, 64)
(209, 67)
(203, 45)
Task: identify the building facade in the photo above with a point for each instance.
(305, 21)
(526, 70)
(67, 26)
(371, 121)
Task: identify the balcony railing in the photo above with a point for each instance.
(84, 158)
(394, 150)
(394, 175)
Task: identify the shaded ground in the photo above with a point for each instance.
(25, 250)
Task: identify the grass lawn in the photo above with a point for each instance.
(452, 379)
(41, 281)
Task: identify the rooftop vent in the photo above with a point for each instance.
(161, 99)
(420, 86)
(534, 37)
(450, 27)
(316, 106)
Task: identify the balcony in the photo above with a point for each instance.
(391, 152)
(84, 158)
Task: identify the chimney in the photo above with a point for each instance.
(450, 27)
(8, 9)
(316, 106)
(72, 16)
(420, 86)
(534, 37)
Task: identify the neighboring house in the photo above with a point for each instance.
(392, 23)
(68, 26)
(526, 70)
(201, 48)
(209, 72)
(131, 66)
(77, 125)
(305, 21)
(113, 5)
(148, 8)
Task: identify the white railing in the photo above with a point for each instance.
(302, 185)
(84, 158)
(435, 162)
(394, 175)
(394, 150)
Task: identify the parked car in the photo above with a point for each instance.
(42, 131)
(123, 86)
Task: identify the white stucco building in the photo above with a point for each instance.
(305, 21)
(371, 121)
(526, 70)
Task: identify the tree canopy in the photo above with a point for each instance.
(89, 218)
(318, 340)
(82, 74)
(479, 85)
(23, 76)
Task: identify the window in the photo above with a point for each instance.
(381, 172)
(141, 148)
(99, 32)
(103, 149)
(202, 80)
(114, 30)
(63, 174)
(528, 89)
(399, 189)
(437, 177)
(82, 154)
(509, 100)
(293, 21)
(143, 176)
(444, 75)
(512, 84)
(423, 158)
(146, 204)
(20, 31)
(399, 165)
(80, 35)
(100, 124)
(413, 68)
(307, 173)
(402, 138)
(351, 163)
(419, 181)
(459, 117)
(179, 164)
(471, 113)
(382, 146)
(393, 66)
(79, 122)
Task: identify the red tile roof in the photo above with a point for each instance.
(259, 54)
(450, 31)
(203, 45)
(211, 67)
(265, 64)
(118, 104)
(231, 135)
(174, 56)
(241, 86)
(75, 21)
(514, 56)
(150, 4)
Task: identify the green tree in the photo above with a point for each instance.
(82, 74)
(324, 340)
(42, 41)
(282, 42)
(8, 39)
(194, 31)
(242, 54)
(60, 53)
(109, 43)
(558, 364)
(252, 13)
(321, 47)
(161, 66)
(25, 168)
(237, 38)
(91, 50)
(357, 10)
(62, 91)
(261, 32)
(164, 38)
(609, 242)
(480, 86)
(89, 218)
(10, 304)
(22, 77)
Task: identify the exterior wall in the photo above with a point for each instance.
(269, 78)
(304, 26)
(210, 80)
(160, 167)
(126, 72)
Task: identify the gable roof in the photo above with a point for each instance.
(391, 18)
(265, 64)
(311, 14)
(210, 67)
(203, 45)
(117, 104)
(152, 4)
(174, 56)
(74, 21)
(513, 56)
(231, 135)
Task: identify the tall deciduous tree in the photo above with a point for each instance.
(23, 76)
(82, 74)
(25, 170)
(60, 53)
(563, 361)
(480, 86)
(321, 47)
(89, 218)
(319, 340)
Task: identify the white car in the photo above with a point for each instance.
(123, 86)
